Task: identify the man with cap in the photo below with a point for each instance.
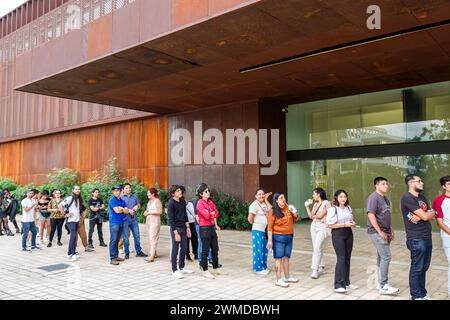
(117, 213)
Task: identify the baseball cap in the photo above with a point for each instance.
(117, 188)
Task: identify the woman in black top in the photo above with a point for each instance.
(4, 206)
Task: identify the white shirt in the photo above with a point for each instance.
(27, 216)
(74, 210)
(190, 212)
(260, 211)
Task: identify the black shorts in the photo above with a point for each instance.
(3, 214)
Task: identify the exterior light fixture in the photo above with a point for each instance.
(162, 61)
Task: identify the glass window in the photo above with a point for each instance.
(356, 177)
(370, 119)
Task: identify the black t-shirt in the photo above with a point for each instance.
(96, 203)
(409, 204)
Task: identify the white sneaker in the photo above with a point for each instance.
(340, 290)
(315, 274)
(186, 270)
(215, 272)
(351, 286)
(208, 274)
(427, 298)
(290, 279)
(282, 283)
(263, 272)
(178, 274)
(69, 256)
(74, 258)
(387, 289)
(121, 251)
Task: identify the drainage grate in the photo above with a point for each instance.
(55, 267)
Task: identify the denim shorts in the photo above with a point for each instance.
(282, 245)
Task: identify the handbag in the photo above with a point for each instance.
(45, 213)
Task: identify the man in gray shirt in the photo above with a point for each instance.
(381, 233)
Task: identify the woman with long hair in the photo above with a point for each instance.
(44, 215)
(280, 237)
(340, 220)
(56, 217)
(318, 229)
(4, 206)
(153, 214)
(257, 217)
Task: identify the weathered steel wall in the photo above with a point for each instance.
(24, 115)
(238, 180)
(140, 147)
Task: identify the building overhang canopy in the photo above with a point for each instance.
(287, 50)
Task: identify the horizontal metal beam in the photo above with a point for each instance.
(372, 151)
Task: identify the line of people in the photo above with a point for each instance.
(195, 223)
(273, 229)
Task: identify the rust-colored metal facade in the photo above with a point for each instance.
(140, 147)
(39, 133)
(25, 115)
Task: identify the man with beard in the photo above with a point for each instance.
(417, 215)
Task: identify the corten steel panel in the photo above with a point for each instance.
(217, 6)
(125, 26)
(240, 180)
(193, 175)
(87, 150)
(188, 11)
(272, 117)
(233, 180)
(99, 37)
(155, 18)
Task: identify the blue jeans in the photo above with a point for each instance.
(282, 245)
(27, 227)
(116, 231)
(259, 245)
(420, 262)
(134, 226)
(199, 249)
(73, 227)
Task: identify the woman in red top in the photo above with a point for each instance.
(207, 214)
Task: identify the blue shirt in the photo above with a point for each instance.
(131, 202)
(116, 218)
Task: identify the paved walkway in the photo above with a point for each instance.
(92, 277)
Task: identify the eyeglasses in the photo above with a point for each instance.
(206, 191)
(419, 181)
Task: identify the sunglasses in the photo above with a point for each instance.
(206, 191)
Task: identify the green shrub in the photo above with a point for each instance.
(6, 183)
(62, 179)
(233, 213)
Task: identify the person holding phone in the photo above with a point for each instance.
(71, 206)
(97, 209)
(340, 220)
(257, 217)
(318, 229)
(280, 231)
(28, 224)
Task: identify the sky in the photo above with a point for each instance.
(9, 5)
